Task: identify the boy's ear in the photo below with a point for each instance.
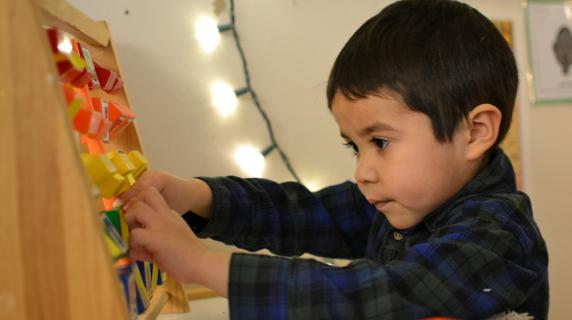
(484, 123)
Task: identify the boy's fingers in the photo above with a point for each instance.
(152, 197)
(140, 254)
(132, 192)
(139, 239)
(139, 214)
(126, 206)
(143, 182)
(131, 220)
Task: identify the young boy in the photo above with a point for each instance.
(423, 93)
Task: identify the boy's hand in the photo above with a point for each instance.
(180, 195)
(160, 235)
(165, 183)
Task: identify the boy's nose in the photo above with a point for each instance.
(366, 171)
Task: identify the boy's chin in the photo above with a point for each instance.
(401, 221)
(399, 225)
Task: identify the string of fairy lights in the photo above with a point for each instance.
(225, 98)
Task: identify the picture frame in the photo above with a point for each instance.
(549, 30)
(512, 141)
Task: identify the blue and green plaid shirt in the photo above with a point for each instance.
(479, 254)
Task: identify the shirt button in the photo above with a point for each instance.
(397, 236)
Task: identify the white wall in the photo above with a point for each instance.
(290, 46)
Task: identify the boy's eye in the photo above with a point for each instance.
(381, 144)
(349, 144)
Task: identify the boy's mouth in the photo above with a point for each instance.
(380, 204)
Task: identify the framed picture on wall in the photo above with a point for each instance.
(549, 27)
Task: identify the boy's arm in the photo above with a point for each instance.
(287, 218)
(472, 270)
(257, 213)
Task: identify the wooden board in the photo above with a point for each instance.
(52, 247)
(54, 262)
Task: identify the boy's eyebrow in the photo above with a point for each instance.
(376, 126)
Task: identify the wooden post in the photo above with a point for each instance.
(177, 299)
(54, 262)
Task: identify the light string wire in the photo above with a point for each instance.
(273, 140)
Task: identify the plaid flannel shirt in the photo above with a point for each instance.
(478, 254)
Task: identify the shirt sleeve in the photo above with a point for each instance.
(471, 269)
(288, 219)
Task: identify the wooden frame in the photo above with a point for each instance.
(54, 262)
(512, 141)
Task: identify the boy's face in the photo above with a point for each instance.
(401, 168)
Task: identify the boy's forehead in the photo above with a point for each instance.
(387, 114)
(371, 127)
(381, 104)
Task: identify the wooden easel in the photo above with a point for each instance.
(53, 260)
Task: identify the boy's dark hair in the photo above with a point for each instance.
(442, 57)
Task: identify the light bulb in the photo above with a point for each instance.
(223, 98)
(250, 160)
(206, 32)
(313, 186)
